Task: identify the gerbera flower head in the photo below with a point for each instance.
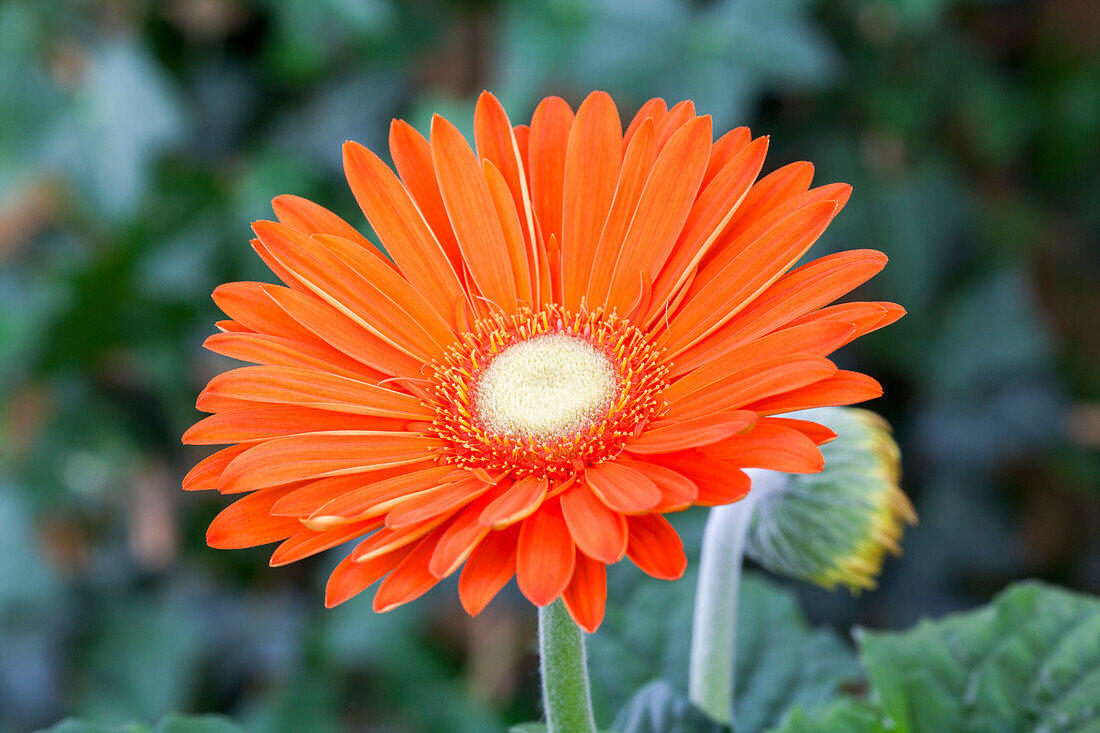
(564, 336)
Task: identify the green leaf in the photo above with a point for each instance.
(842, 716)
(1028, 661)
(781, 661)
(529, 728)
(661, 708)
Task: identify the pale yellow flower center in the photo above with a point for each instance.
(549, 386)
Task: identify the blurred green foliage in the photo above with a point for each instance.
(138, 139)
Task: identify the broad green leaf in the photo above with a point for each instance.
(842, 716)
(660, 708)
(1030, 661)
(780, 662)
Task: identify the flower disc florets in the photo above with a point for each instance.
(546, 392)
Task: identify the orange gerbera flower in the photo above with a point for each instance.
(577, 331)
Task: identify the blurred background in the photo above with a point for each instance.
(139, 139)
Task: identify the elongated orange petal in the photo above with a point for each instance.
(622, 489)
(593, 160)
(678, 115)
(843, 388)
(497, 142)
(819, 434)
(550, 129)
(308, 542)
(655, 110)
(470, 208)
(248, 523)
(516, 503)
(351, 578)
(310, 218)
(206, 473)
(655, 547)
(409, 580)
(709, 214)
(637, 163)
(386, 540)
(598, 531)
(311, 496)
(360, 287)
(374, 491)
(512, 230)
(771, 446)
(718, 482)
(262, 423)
(342, 333)
(260, 348)
(488, 569)
(429, 504)
(317, 455)
(726, 287)
(662, 209)
(402, 228)
(247, 303)
(863, 317)
(767, 378)
(586, 595)
(798, 292)
(306, 388)
(462, 536)
(545, 555)
(669, 436)
(412, 157)
(678, 492)
(724, 150)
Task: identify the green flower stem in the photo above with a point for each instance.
(714, 627)
(564, 668)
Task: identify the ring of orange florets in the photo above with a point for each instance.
(472, 444)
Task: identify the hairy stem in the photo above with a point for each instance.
(564, 668)
(714, 626)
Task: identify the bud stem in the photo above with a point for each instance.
(714, 627)
(564, 668)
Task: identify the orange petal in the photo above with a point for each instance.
(260, 348)
(412, 157)
(318, 455)
(864, 317)
(312, 495)
(262, 423)
(392, 489)
(637, 163)
(488, 569)
(308, 542)
(679, 115)
(726, 286)
(310, 218)
(724, 150)
(247, 303)
(307, 388)
(247, 522)
(343, 333)
(709, 214)
(402, 228)
(654, 109)
(599, 532)
(771, 446)
(497, 142)
(593, 160)
(678, 492)
(385, 540)
(432, 503)
(762, 380)
(206, 473)
(512, 229)
(473, 217)
(843, 388)
(669, 436)
(351, 578)
(717, 482)
(819, 434)
(545, 555)
(516, 503)
(586, 595)
(773, 190)
(796, 293)
(462, 536)
(662, 209)
(409, 580)
(550, 129)
(655, 547)
(622, 489)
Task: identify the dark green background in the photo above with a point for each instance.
(139, 139)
